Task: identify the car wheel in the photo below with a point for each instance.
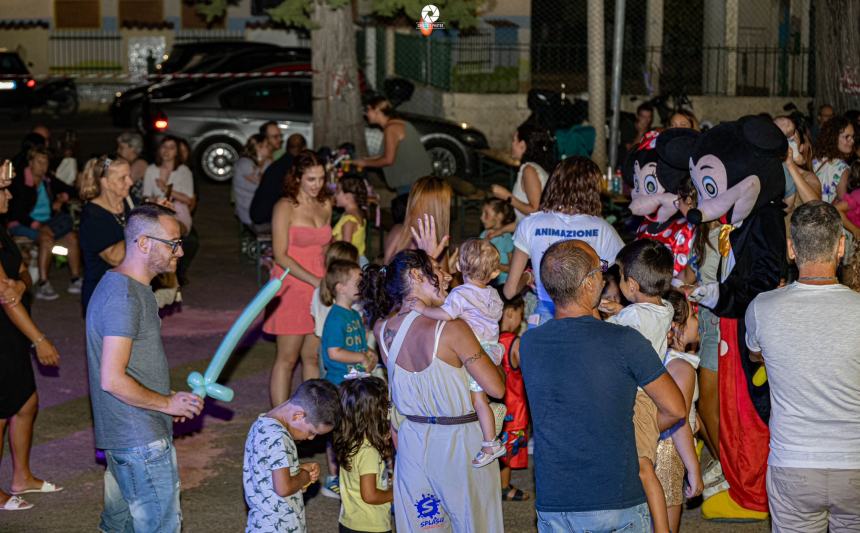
(216, 158)
(66, 102)
(446, 157)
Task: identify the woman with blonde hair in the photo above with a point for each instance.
(104, 185)
(429, 197)
(569, 209)
(683, 118)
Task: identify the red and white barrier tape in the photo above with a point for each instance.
(165, 77)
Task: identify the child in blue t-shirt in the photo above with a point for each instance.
(344, 342)
(495, 215)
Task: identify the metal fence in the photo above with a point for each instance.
(193, 36)
(472, 64)
(85, 52)
(477, 64)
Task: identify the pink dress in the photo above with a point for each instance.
(289, 313)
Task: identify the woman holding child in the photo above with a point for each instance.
(434, 481)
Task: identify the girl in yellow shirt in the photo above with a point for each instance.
(351, 196)
(363, 446)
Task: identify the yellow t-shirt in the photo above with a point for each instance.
(358, 236)
(354, 512)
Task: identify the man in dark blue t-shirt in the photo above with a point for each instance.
(581, 376)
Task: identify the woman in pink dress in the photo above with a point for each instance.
(301, 230)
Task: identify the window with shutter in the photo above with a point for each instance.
(69, 14)
(191, 19)
(149, 11)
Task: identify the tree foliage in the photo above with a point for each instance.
(461, 13)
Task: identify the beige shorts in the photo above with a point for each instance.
(645, 426)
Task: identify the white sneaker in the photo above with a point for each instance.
(76, 286)
(712, 474)
(715, 489)
(45, 291)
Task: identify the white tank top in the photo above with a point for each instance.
(520, 193)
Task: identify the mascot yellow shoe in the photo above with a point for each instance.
(720, 506)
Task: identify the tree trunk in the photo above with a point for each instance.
(837, 65)
(338, 115)
(597, 81)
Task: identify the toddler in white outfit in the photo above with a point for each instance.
(480, 306)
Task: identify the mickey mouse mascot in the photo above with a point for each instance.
(736, 169)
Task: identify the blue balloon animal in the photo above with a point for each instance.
(204, 385)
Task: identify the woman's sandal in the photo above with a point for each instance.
(483, 458)
(16, 503)
(518, 495)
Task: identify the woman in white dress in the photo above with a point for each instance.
(429, 363)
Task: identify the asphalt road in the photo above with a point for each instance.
(210, 448)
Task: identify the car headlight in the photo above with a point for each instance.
(118, 94)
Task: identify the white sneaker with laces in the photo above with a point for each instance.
(45, 291)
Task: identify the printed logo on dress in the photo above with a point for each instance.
(429, 512)
(566, 233)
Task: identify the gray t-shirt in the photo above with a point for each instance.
(123, 307)
(809, 337)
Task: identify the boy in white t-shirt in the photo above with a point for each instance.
(646, 273)
(479, 304)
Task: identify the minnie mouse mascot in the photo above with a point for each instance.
(654, 182)
(737, 171)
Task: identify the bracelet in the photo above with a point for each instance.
(39, 340)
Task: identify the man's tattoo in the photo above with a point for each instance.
(472, 358)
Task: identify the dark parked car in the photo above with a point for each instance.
(16, 88)
(20, 91)
(201, 57)
(217, 120)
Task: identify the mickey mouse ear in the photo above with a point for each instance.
(675, 146)
(763, 135)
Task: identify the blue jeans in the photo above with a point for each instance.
(544, 312)
(142, 489)
(631, 520)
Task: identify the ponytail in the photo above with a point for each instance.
(374, 297)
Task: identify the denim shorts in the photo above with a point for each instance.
(709, 339)
(142, 489)
(634, 519)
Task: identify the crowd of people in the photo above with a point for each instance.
(721, 316)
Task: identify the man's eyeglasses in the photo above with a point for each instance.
(604, 266)
(174, 245)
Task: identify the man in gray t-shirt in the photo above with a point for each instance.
(133, 407)
(808, 335)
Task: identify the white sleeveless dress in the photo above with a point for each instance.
(435, 486)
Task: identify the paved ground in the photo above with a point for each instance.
(210, 448)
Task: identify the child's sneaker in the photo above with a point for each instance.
(483, 458)
(331, 487)
(75, 286)
(45, 291)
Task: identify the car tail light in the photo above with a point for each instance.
(160, 122)
(31, 83)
